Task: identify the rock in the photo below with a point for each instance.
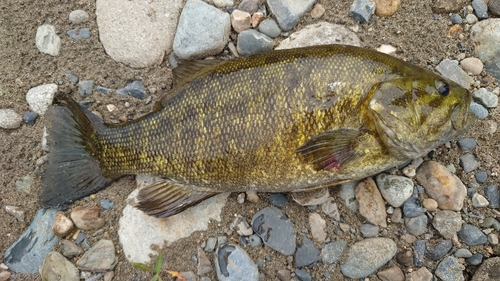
(392, 273)
(252, 196)
(457, 19)
(16, 212)
(5, 275)
(475, 259)
(106, 204)
(397, 215)
(466, 144)
(57, 267)
(30, 118)
(78, 17)
(471, 19)
(441, 185)
(223, 3)
(480, 9)
(449, 270)
(412, 207)
(395, 189)
(134, 89)
(493, 195)
(210, 244)
(249, 6)
(417, 225)
(487, 35)
(493, 238)
(270, 28)
(369, 230)
(347, 193)
(241, 225)
(488, 271)
(302, 274)
(387, 49)
(306, 254)
(371, 204)
(288, 12)
(253, 42)
(462, 253)
(318, 11)
(70, 249)
(330, 209)
(478, 110)
(283, 275)
(486, 98)
(9, 119)
(386, 8)
(71, 77)
(447, 223)
(440, 250)
(275, 229)
(199, 36)
(481, 176)
(137, 231)
(367, 256)
(479, 201)
(85, 88)
(254, 240)
(319, 34)
(450, 69)
(39, 98)
(26, 255)
(471, 235)
(494, 7)
(82, 33)
(362, 10)
(422, 274)
(311, 197)
(87, 218)
(419, 251)
(472, 65)
(47, 40)
(24, 185)
(447, 6)
(489, 222)
(101, 257)
(318, 225)
(233, 264)
(240, 20)
(137, 33)
(278, 200)
(204, 265)
(333, 251)
(62, 225)
(257, 18)
(405, 257)
(430, 204)
(468, 162)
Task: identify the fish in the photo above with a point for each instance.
(282, 121)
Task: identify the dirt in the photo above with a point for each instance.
(419, 37)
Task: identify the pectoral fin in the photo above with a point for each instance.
(330, 150)
(166, 198)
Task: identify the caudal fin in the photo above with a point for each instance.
(71, 172)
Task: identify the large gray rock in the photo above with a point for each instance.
(487, 35)
(288, 12)
(452, 71)
(137, 33)
(203, 30)
(320, 34)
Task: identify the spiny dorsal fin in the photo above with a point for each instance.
(329, 150)
(186, 70)
(166, 198)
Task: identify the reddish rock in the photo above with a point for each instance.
(371, 204)
(240, 20)
(87, 218)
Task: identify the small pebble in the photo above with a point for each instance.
(210, 244)
(106, 204)
(472, 65)
(478, 110)
(362, 10)
(471, 235)
(62, 225)
(78, 17)
(493, 238)
(405, 257)
(462, 253)
(387, 49)
(475, 259)
(447, 223)
(449, 270)
(417, 225)
(241, 198)
(252, 196)
(10, 119)
(82, 33)
(318, 226)
(302, 274)
(318, 11)
(486, 98)
(252, 42)
(333, 251)
(30, 117)
(412, 207)
(240, 20)
(85, 88)
(254, 240)
(430, 204)
(479, 201)
(306, 254)
(16, 212)
(86, 217)
(134, 89)
(493, 194)
(283, 275)
(471, 19)
(466, 144)
(480, 9)
(278, 199)
(468, 162)
(369, 230)
(455, 19)
(270, 28)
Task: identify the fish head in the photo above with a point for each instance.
(414, 115)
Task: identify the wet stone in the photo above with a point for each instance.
(233, 264)
(475, 259)
(278, 199)
(493, 195)
(417, 225)
(419, 251)
(471, 235)
(302, 274)
(449, 269)
(306, 254)
(101, 257)
(412, 208)
(275, 229)
(440, 250)
(57, 267)
(333, 251)
(369, 230)
(447, 223)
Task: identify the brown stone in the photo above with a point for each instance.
(430, 204)
(318, 11)
(62, 225)
(392, 273)
(422, 274)
(441, 185)
(386, 8)
(240, 20)
(204, 265)
(257, 19)
(371, 204)
(87, 218)
(448, 6)
(494, 7)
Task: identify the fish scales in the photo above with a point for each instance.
(280, 121)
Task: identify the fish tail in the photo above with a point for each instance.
(72, 172)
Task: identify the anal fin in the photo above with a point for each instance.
(166, 198)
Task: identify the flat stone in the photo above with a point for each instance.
(478, 110)
(137, 33)
(241, 226)
(486, 33)
(348, 194)
(10, 119)
(493, 194)
(448, 6)
(417, 225)
(47, 40)
(26, 255)
(320, 33)
(70, 249)
(447, 223)
(15, 211)
(362, 10)
(252, 42)
(419, 247)
(386, 8)
(270, 28)
(62, 225)
(466, 144)
(82, 33)
(423, 274)
(486, 98)
(488, 271)
(210, 244)
(387, 49)
(369, 230)
(288, 12)
(240, 20)
(233, 264)
(78, 17)
(471, 235)
(249, 6)
(87, 218)
(101, 257)
(311, 198)
(138, 231)
(204, 265)
(85, 88)
(57, 267)
(479, 201)
(412, 207)
(468, 162)
(395, 189)
(275, 229)
(440, 250)
(475, 259)
(392, 273)
(441, 185)
(450, 270)
(333, 251)
(40, 97)
(462, 253)
(480, 9)
(318, 225)
(452, 71)
(330, 209)
(367, 256)
(203, 30)
(472, 65)
(306, 254)
(371, 204)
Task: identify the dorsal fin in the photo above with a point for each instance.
(186, 70)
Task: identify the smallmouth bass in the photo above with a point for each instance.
(288, 120)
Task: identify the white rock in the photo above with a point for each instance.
(472, 65)
(137, 33)
(47, 40)
(387, 49)
(395, 189)
(78, 16)
(479, 201)
(138, 231)
(9, 119)
(39, 98)
(319, 34)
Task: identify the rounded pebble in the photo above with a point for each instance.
(306, 254)
(471, 235)
(471, 19)
(333, 251)
(270, 28)
(395, 189)
(9, 119)
(447, 223)
(475, 259)
(254, 240)
(78, 16)
(417, 225)
(468, 162)
(462, 253)
(466, 144)
(252, 42)
(440, 250)
(430, 204)
(106, 204)
(210, 244)
(278, 200)
(412, 207)
(493, 194)
(302, 274)
(472, 65)
(456, 19)
(39, 98)
(369, 230)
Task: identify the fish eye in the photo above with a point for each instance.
(442, 88)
